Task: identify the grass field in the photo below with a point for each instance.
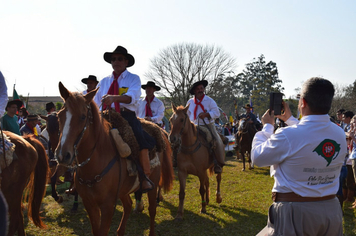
(243, 211)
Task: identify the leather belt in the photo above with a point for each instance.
(293, 197)
(126, 110)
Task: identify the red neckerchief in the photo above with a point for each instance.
(148, 106)
(198, 104)
(114, 90)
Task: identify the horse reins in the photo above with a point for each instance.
(185, 149)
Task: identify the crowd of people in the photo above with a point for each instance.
(307, 158)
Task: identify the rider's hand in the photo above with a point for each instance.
(268, 118)
(108, 99)
(286, 114)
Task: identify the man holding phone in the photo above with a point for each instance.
(305, 159)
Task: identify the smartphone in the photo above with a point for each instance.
(275, 103)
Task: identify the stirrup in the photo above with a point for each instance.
(148, 189)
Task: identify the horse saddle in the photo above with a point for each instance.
(7, 149)
(125, 130)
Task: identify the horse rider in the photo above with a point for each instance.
(91, 83)
(151, 108)
(203, 111)
(121, 91)
(250, 117)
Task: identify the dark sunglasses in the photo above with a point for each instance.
(118, 58)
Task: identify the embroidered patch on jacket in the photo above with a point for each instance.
(328, 149)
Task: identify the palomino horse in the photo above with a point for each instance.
(28, 168)
(101, 175)
(52, 127)
(193, 157)
(244, 136)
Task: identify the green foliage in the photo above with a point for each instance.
(257, 81)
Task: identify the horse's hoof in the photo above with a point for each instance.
(243, 169)
(203, 211)
(60, 199)
(218, 199)
(74, 210)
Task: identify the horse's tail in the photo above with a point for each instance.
(167, 173)
(37, 184)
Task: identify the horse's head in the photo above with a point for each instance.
(242, 125)
(178, 121)
(74, 118)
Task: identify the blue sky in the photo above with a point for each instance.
(44, 42)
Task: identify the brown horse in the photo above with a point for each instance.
(28, 168)
(101, 175)
(244, 136)
(193, 157)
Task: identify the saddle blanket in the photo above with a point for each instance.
(131, 167)
(9, 149)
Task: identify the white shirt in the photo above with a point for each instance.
(157, 108)
(3, 95)
(209, 106)
(126, 80)
(295, 155)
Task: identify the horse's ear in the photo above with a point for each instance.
(186, 108)
(89, 96)
(174, 107)
(63, 91)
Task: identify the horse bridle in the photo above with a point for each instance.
(185, 149)
(99, 177)
(89, 118)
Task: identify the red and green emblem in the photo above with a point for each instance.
(328, 149)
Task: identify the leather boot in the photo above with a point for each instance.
(145, 164)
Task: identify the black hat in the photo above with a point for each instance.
(151, 84)
(49, 106)
(247, 106)
(203, 82)
(90, 77)
(32, 117)
(120, 50)
(17, 102)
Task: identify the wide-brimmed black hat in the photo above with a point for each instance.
(32, 117)
(49, 106)
(247, 106)
(203, 82)
(151, 84)
(120, 50)
(17, 102)
(90, 77)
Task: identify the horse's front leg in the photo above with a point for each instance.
(94, 215)
(127, 205)
(249, 161)
(218, 194)
(243, 160)
(182, 182)
(204, 189)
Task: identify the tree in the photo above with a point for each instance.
(257, 81)
(177, 67)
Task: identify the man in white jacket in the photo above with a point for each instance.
(305, 159)
(151, 108)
